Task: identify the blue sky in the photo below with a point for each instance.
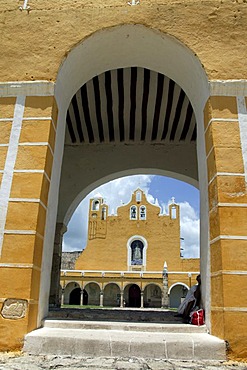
(165, 188)
(159, 190)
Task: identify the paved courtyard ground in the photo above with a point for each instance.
(18, 361)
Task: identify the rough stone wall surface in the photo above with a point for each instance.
(69, 259)
(36, 41)
(14, 361)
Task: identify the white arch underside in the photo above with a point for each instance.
(132, 45)
(175, 284)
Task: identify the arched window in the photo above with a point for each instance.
(138, 196)
(95, 206)
(133, 213)
(142, 213)
(103, 215)
(174, 212)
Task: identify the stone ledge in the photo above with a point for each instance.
(74, 342)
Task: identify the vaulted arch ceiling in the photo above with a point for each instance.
(130, 105)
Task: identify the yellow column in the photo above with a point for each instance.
(28, 126)
(228, 220)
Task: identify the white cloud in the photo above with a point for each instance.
(118, 192)
(189, 230)
(75, 237)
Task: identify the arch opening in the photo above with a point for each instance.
(111, 295)
(152, 296)
(110, 254)
(70, 288)
(92, 294)
(191, 78)
(75, 297)
(177, 294)
(134, 296)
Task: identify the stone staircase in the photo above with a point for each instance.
(123, 333)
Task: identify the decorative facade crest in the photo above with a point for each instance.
(134, 2)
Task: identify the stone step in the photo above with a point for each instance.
(121, 343)
(116, 314)
(124, 326)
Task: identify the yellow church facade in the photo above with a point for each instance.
(90, 92)
(132, 259)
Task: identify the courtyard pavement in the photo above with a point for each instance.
(19, 361)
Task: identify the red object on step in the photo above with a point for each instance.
(197, 317)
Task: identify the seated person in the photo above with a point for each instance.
(192, 300)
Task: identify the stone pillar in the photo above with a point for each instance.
(101, 298)
(142, 299)
(81, 297)
(122, 299)
(62, 297)
(165, 298)
(56, 265)
(225, 121)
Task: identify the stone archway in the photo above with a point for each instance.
(190, 77)
(225, 131)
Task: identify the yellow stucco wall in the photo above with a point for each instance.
(108, 249)
(42, 37)
(21, 254)
(228, 212)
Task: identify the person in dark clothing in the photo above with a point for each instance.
(194, 302)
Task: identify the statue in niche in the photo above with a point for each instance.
(137, 252)
(155, 292)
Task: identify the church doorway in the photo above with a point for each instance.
(134, 296)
